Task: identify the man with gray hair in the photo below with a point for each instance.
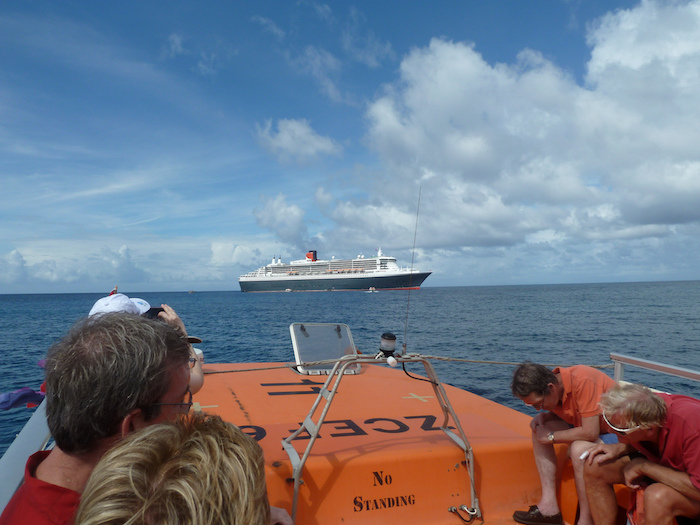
(112, 374)
(659, 453)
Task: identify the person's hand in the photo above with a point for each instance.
(542, 433)
(603, 453)
(537, 421)
(634, 473)
(279, 516)
(170, 316)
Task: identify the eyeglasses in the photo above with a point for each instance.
(187, 404)
(621, 431)
(540, 405)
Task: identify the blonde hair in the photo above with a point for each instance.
(196, 470)
(637, 404)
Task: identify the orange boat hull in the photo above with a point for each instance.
(381, 457)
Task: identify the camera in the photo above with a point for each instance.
(152, 313)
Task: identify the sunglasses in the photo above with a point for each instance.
(621, 431)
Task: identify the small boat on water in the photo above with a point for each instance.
(369, 439)
(378, 272)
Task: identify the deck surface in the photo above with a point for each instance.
(380, 456)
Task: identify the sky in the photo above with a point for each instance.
(173, 146)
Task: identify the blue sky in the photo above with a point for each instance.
(176, 145)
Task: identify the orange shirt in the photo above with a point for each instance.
(583, 387)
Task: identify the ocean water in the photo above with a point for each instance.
(554, 324)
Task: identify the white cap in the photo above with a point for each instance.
(119, 302)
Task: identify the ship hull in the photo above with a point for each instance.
(309, 283)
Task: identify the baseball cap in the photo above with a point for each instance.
(119, 302)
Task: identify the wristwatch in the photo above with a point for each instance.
(550, 437)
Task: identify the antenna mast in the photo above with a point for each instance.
(410, 282)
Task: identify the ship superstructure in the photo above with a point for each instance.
(378, 272)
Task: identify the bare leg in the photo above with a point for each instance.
(578, 448)
(599, 481)
(546, 461)
(547, 510)
(662, 504)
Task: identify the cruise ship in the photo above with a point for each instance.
(311, 274)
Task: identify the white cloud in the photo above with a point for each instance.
(13, 268)
(660, 35)
(295, 139)
(208, 63)
(269, 26)
(323, 11)
(40, 267)
(285, 220)
(175, 46)
(323, 198)
(323, 67)
(545, 236)
(521, 167)
(516, 148)
(644, 70)
(96, 264)
(363, 45)
(206, 59)
(511, 156)
(78, 48)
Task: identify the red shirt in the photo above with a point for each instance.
(39, 503)
(679, 437)
(583, 387)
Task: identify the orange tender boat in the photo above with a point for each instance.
(375, 445)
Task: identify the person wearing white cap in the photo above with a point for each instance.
(118, 302)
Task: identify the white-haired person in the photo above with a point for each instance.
(119, 302)
(198, 469)
(658, 456)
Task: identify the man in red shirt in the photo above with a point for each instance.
(659, 453)
(569, 400)
(111, 375)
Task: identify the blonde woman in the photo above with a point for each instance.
(197, 470)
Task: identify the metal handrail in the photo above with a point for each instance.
(678, 371)
(337, 374)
